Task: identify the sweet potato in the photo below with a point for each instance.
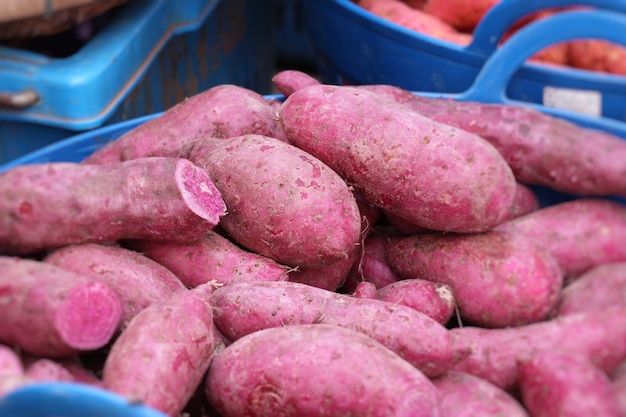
(371, 264)
(163, 354)
(289, 81)
(137, 280)
(365, 289)
(465, 395)
(599, 287)
(222, 111)
(327, 277)
(245, 307)
(10, 362)
(49, 311)
(47, 370)
(282, 202)
(618, 382)
(541, 149)
(463, 15)
(434, 299)
(580, 233)
(431, 174)
(402, 14)
(498, 279)
(598, 335)
(211, 258)
(315, 370)
(561, 383)
(148, 198)
(598, 55)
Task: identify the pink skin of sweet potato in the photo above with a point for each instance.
(9, 383)
(47, 370)
(580, 233)
(328, 277)
(404, 15)
(463, 15)
(136, 279)
(211, 258)
(163, 354)
(222, 111)
(79, 372)
(599, 287)
(289, 81)
(278, 131)
(618, 382)
(436, 300)
(540, 149)
(245, 307)
(10, 362)
(73, 313)
(465, 395)
(365, 289)
(282, 202)
(562, 383)
(431, 174)
(372, 265)
(598, 335)
(498, 279)
(315, 370)
(149, 198)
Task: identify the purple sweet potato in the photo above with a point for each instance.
(434, 299)
(540, 149)
(565, 384)
(137, 280)
(316, 370)
(49, 205)
(465, 395)
(618, 382)
(365, 289)
(282, 202)
(163, 354)
(430, 174)
(498, 279)
(10, 362)
(49, 311)
(245, 307)
(222, 111)
(580, 233)
(47, 370)
(328, 277)
(598, 288)
(371, 264)
(598, 335)
(211, 258)
(289, 81)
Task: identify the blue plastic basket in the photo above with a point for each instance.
(151, 55)
(354, 46)
(70, 400)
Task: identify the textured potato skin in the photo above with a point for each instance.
(222, 111)
(433, 175)
(147, 198)
(316, 370)
(598, 335)
(498, 279)
(162, 355)
(561, 383)
(282, 202)
(244, 308)
(580, 233)
(465, 395)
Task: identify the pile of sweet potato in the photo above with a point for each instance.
(455, 20)
(355, 251)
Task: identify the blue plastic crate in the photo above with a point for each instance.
(354, 46)
(151, 55)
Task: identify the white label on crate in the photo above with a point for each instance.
(579, 101)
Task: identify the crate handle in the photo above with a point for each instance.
(19, 99)
(503, 15)
(491, 83)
